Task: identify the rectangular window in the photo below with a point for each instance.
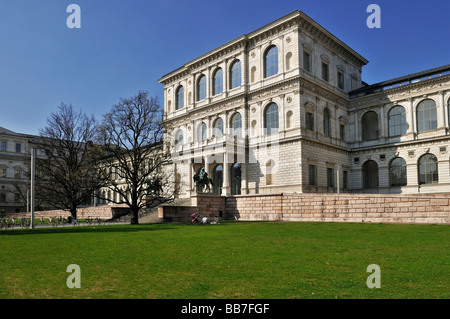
(330, 177)
(354, 83)
(309, 121)
(307, 61)
(342, 131)
(312, 175)
(325, 72)
(3, 147)
(18, 147)
(340, 78)
(345, 179)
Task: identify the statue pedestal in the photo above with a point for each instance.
(209, 205)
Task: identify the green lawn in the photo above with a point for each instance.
(231, 260)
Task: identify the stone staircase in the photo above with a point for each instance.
(150, 215)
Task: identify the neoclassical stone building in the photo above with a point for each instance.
(14, 152)
(284, 109)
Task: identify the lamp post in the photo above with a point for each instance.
(33, 157)
(337, 178)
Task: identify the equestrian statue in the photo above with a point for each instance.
(203, 183)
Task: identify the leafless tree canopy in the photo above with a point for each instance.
(66, 171)
(132, 134)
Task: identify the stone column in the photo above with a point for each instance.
(209, 85)
(225, 78)
(190, 180)
(413, 116)
(441, 120)
(226, 176)
(194, 90)
(446, 115)
(282, 115)
(244, 182)
(282, 54)
(207, 162)
(409, 113)
(356, 126)
(382, 122)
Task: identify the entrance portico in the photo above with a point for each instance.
(229, 178)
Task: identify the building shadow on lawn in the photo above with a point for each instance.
(87, 229)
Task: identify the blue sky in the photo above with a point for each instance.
(124, 46)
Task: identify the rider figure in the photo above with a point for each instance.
(202, 174)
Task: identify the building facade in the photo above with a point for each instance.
(284, 109)
(14, 163)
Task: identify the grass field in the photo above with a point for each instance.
(230, 260)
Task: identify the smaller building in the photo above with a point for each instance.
(14, 163)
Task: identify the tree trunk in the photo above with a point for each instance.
(73, 212)
(134, 216)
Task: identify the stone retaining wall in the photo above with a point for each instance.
(103, 212)
(203, 204)
(373, 208)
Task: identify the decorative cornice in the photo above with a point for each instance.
(295, 21)
(210, 109)
(308, 84)
(402, 92)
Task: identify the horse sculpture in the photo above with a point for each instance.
(202, 182)
(154, 186)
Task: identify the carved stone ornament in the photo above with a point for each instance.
(288, 39)
(289, 99)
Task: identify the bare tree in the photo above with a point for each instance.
(132, 137)
(66, 168)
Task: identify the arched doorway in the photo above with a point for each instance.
(218, 179)
(236, 179)
(370, 175)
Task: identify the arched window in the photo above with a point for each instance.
(218, 82)
(179, 103)
(369, 126)
(288, 60)
(397, 121)
(397, 172)
(235, 74)
(218, 127)
(426, 116)
(236, 125)
(201, 133)
(342, 127)
(253, 74)
(218, 179)
(271, 61)
(370, 174)
(428, 169)
(236, 178)
(179, 138)
(269, 172)
(201, 88)
(326, 122)
(289, 119)
(271, 118)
